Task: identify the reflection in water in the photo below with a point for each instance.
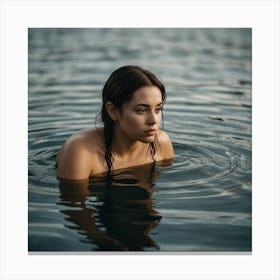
(114, 214)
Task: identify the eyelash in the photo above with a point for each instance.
(142, 111)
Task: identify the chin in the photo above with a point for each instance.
(148, 140)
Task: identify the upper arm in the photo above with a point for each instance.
(73, 161)
(166, 146)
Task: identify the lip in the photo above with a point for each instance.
(150, 132)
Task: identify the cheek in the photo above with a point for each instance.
(132, 121)
(135, 121)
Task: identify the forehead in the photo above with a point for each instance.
(149, 95)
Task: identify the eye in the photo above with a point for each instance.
(141, 110)
(159, 109)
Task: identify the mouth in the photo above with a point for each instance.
(151, 132)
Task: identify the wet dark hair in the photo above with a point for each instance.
(118, 89)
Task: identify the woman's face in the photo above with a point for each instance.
(140, 118)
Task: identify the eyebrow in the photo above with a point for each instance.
(146, 105)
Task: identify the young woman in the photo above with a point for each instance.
(131, 113)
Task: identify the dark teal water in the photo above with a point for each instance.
(202, 203)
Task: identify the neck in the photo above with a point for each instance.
(125, 148)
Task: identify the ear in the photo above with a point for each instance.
(112, 111)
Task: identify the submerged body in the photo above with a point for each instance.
(136, 126)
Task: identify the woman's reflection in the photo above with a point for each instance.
(116, 213)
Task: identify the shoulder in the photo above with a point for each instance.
(166, 147)
(163, 136)
(75, 156)
(83, 141)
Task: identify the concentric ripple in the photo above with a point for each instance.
(213, 161)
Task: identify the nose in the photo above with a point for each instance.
(152, 120)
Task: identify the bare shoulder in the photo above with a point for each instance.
(166, 146)
(75, 157)
(85, 140)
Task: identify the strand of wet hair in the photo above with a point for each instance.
(108, 139)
